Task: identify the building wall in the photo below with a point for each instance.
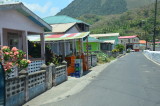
(131, 40)
(93, 46)
(110, 38)
(11, 19)
(73, 30)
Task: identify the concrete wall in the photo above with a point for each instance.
(25, 87)
(153, 55)
(11, 19)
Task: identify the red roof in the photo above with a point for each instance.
(127, 37)
(157, 42)
(142, 42)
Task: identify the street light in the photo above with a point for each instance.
(155, 19)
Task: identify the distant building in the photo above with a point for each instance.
(109, 40)
(142, 45)
(65, 24)
(130, 42)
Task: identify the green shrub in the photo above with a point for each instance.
(103, 57)
(115, 50)
(120, 47)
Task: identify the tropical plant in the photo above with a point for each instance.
(120, 47)
(115, 50)
(13, 57)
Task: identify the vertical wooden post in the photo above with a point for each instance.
(79, 46)
(1, 36)
(65, 50)
(87, 53)
(25, 42)
(73, 49)
(42, 46)
(82, 45)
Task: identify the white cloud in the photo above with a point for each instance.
(44, 10)
(53, 11)
(39, 8)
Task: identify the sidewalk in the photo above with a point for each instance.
(68, 88)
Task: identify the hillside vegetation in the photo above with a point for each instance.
(129, 23)
(101, 7)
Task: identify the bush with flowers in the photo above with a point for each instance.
(13, 57)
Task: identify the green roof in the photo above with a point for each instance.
(92, 39)
(61, 19)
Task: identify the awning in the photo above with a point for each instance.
(56, 37)
(110, 41)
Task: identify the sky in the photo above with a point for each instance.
(43, 8)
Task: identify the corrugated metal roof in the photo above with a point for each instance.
(56, 37)
(61, 28)
(142, 41)
(61, 19)
(127, 37)
(104, 35)
(26, 12)
(110, 41)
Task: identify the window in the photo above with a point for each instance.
(13, 40)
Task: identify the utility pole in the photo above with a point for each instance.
(155, 19)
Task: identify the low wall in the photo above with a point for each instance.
(153, 55)
(92, 60)
(27, 86)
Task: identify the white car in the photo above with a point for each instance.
(131, 50)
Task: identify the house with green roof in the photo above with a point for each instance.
(65, 24)
(109, 40)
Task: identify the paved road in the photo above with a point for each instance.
(131, 81)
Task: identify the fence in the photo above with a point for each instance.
(153, 55)
(27, 86)
(34, 66)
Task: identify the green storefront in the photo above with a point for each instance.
(93, 45)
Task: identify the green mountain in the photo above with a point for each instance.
(101, 7)
(138, 21)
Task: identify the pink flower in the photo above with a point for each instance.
(25, 55)
(28, 61)
(5, 47)
(15, 53)
(14, 49)
(6, 53)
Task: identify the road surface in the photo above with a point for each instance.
(131, 81)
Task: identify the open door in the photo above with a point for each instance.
(2, 86)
